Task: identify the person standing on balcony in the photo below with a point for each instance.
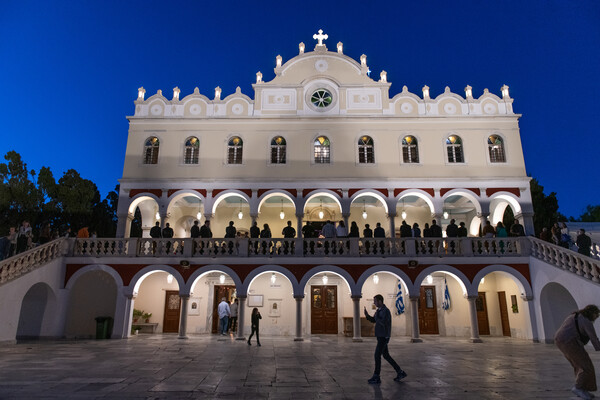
(230, 231)
(224, 312)
(426, 230)
(341, 230)
(195, 231)
(379, 232)
(288, 233)
(167, 233)
(354, 231)
(25, 237)
(383, 330)
(155, 231)
(436, 230)
(254, 230)
(571, 337)
(367, 232)
(584, 243)
(452, 229)
(405, 230)
(416, 231)
(205, 231)
(328, 230)
(488, 230)
(517, 229)
(462, 230)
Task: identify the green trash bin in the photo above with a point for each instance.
(104, 327)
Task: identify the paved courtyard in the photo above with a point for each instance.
(321, 367)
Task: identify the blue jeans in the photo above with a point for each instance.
(382, 350)
(223, 322)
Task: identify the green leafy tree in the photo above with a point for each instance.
(545, 207)
(591, 214)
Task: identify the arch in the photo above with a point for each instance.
(138, 278)
(38, 311)
(508, 199)
(235, 150)
(94, 267)
(366, 150)
(465, 193)
(274, 193)
(397, 272)
(496, 148)
(200, 272)
(522, 283)
(278, 150)
(228, 193)
(419, 193)
(369, 192)
(410, 149)
(342, 273)
(263, 269)
(139, 198)
(151, 150)
(191, 150)
(321, 150)
(454, 272)
(455, 152)
(327, 193)
(182, 193)
(556, 303)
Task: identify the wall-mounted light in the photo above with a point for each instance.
(222, 279)
(376, 279)
(273, 278)
(325, 279)
(429, 279)
(445, 214)
(169, 279)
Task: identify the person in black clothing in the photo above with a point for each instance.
(354, 232)
(308, 231)
(195, 231)
(367, 232)
(517, 229)
(265, 234)
(155, 231)
(205, 231)
(255, 318)
(436, 231)
(230, 231)
(379, 232)
(167, 233)
(426, 230)
(462, 230)
(584, 243)
(254, 230)
(405, 230)
(288, 233)
(452, 229)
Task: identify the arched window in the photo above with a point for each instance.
(322, 150)
(410, 150)
(151, 150)
(190, 156)
(366, 154)
(278, 147)
(496, 149)
(234, 150)
(454, 149)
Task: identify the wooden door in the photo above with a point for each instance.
(221, 291)
(428, 319)
(172, 311)
(482, 314)
(504, 313)
(323, 310)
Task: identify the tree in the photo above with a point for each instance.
(591, 214)
(545, 207)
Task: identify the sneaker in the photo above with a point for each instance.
(584, 394)
(375, 379)
(401, 375)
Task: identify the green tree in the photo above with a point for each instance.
(545, 207)
(591, 214)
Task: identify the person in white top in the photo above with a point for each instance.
(224, 313)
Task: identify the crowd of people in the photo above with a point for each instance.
(559, 235)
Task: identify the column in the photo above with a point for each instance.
(414, 314)
(299, 337)
(128, 315)
(241, 314)
(122, 312)
(473, 314)
(124, 225)
(346, 217)
(299, 241)
(299, 218)
(484, 218)
(183, 319)
(356, 318)
(392, 217)
(533, 319)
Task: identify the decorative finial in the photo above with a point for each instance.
(447, 89)
(278, 60)
(258, 77)
(238, 90)
(141, 93)
(505, 94)
(217, 93)
(469, 92)
(383, 76)
(196, 90)
(176, 92)
(340, 47)
(301, 47)
(404, 89)
(363, 60)
(159, 92)
(425, 92)
(320, 37)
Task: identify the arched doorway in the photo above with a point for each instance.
(159, 303)
(37, 312)
(556, 303)
(182, 211)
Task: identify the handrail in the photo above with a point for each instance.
(566, 259)
(25, 262)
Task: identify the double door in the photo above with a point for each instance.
(323, 310)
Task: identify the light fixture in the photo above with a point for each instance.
(222, 278)
(273, 278)
(157, 215)
(482, 281)
(199, 215)
(429, 279)
(281, 214)
(325, 279)
(376, 279)
(321, 213)
(403, 210)
(364, 213)
(169, 279)
(240, 214)
(445, 214)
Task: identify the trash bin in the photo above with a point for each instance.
(104, 327)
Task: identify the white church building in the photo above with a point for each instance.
(321, 141)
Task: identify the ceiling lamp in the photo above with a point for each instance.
(281, 214)
(240, 214)
(169, 279)
(199, 215)
(376, 279)
(325, 279)
(157, 215)
(321, 213)
(222, 278)
(403, 210)
(445, 214)
(273, 278)
(429, 279)
(364, 213)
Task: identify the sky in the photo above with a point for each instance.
(70, 70)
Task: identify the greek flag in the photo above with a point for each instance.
(399, 300)
(446, 302)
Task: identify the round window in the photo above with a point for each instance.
(321, 98)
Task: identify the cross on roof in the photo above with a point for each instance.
(320, 37)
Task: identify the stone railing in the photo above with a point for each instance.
(25, 262)
(565, 259)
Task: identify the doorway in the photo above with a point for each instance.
(427, 305)
(323, 310)
(504, 313)
(172, 310)
(482, 314)
(227, 291)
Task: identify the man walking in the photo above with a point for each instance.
(224, 313)
(383, 330)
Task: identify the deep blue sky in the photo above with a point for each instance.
(70, 70)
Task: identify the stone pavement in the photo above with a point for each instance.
(321, 367)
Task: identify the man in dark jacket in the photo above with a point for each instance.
(383, 330)
(167, 233)
(436, 231)
(205, 231)
(195, 231)
(155, 231)
(405, 230)
(462, 230)
(584, 243)
(452, 229)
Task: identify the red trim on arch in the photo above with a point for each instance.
(474, 190)
(171, 191)
(248, 192)
(293, 192)
(430, 191)
(201, 191)
(515, 191)
(215, 192)
(135, 192)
